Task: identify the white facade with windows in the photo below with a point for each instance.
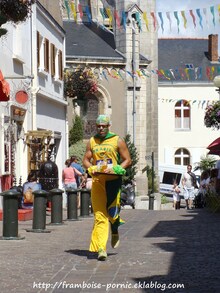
(32, 61)
(183, 137)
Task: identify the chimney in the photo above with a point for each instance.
(213, 48)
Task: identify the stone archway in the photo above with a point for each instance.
(99, 103)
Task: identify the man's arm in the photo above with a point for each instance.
(124, 154)
(87, 157)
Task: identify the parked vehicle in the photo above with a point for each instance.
(128, 195)
(169, 173)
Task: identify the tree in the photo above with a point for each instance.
(78, 149)
(132, 170)
(76, 132)
(15, 11)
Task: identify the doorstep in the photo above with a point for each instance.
(23, 214)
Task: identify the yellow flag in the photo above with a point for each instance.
(146, 20)
(73, 9)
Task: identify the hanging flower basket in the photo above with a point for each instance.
(212, 115)
(79, 83)
(16, 10)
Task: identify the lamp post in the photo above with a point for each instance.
(216, 82)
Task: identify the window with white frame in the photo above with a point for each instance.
(56, 63)
(60, 64)
(182, 157)
(182, 115)
(42, 53)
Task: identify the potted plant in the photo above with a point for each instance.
(15, 11)
(79, 83)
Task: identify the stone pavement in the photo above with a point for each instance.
(157, 249)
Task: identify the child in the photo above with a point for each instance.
(176, 195)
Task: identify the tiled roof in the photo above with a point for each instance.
(89, 41)
(179, 54)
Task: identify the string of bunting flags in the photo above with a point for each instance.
(200, 17)
(184, 74)
(203, 103)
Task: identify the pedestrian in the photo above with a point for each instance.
(69, 176)
(189, 185)
(102, 154)
(80, 180)
(29, 186)
(176, 195)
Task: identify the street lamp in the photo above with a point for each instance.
(216, 82)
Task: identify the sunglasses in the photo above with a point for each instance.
(102, 126)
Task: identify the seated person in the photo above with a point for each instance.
(29, 186)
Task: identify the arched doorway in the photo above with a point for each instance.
(92, 111)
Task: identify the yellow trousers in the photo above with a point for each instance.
(105, 197)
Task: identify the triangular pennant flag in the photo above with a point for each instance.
(67, 8)
(154, 20)
(123, 19)
(73, 9)
(184, 18)
(161, 20)
(102, 13)
(117, 18)
(193, 17)
(80, 10)
(109, 13)
(206, 16)
(212, 9)
(200, 17)
(146, 20)
(169, 18)
(177, 19)
(138, 19)
(88, 14)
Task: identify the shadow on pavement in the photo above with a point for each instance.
(194, 245)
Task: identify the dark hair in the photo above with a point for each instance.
(68, 162)
(73, 158)
(32, 177)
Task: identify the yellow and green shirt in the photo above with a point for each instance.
(105, 150)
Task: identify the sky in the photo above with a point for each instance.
(190, 30)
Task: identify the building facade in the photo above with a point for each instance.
(130, 100)
(33, 120)
(185, 90)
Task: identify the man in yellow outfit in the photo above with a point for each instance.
(105, 150)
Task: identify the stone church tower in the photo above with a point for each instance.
(138, 45)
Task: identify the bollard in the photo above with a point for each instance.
(39, 212)
(151, 201)
(56, 206)
(72, 210)
(84, 202)
(10, 215)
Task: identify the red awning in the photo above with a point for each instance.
(4, 89)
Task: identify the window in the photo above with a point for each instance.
(182, 115)
(60, 64)
(42, 54)
(46, 55)
(39, 38)
(53, 59)
(182, 157)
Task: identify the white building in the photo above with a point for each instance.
(32, 61)
(187, 68)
